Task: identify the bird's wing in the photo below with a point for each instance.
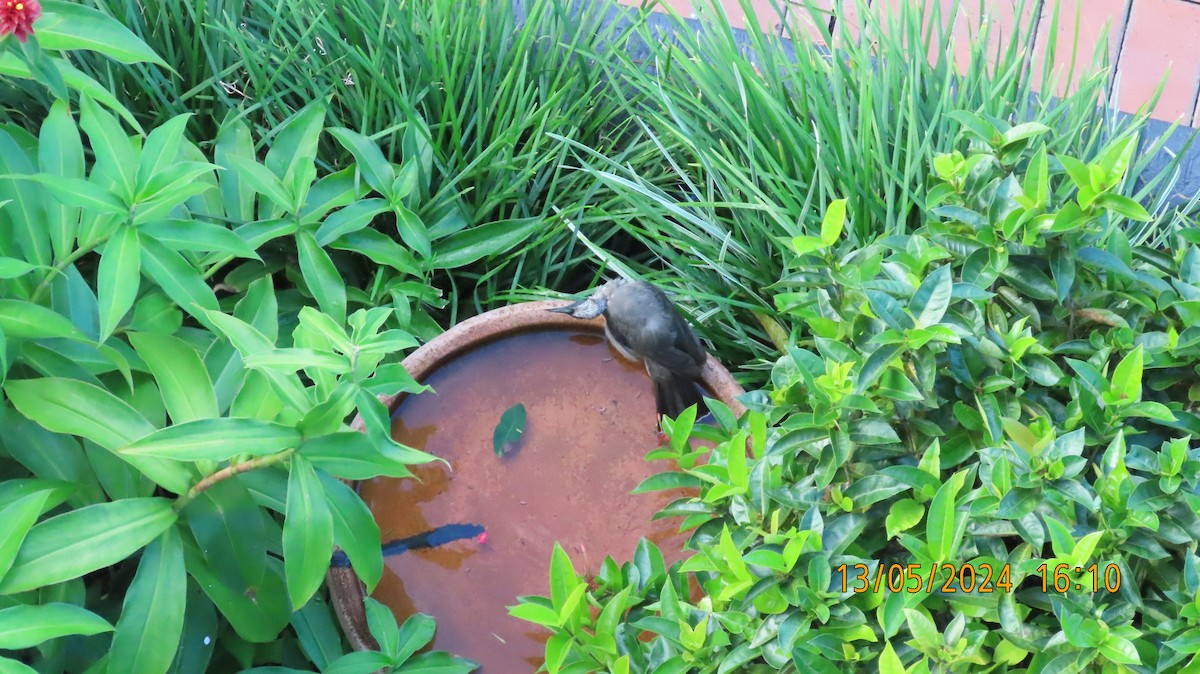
(664, 336)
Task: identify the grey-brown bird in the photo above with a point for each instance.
(645, 326)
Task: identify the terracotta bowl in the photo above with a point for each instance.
(346, 590)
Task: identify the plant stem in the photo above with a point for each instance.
(228, 472)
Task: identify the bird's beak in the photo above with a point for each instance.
(569, 308)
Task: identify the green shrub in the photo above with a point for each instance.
(174, 428)
(494, 89)
(1012, 384)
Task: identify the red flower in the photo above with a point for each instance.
(17, 17)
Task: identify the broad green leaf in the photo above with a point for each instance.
(318, 633)
(412, 231)
(376, 170)
(22, 319)
(25, 626)
(181, 281)
(943, 524)
(231, 529)
(307, 532)
(118, 278)
(351, 455)
(161, 149)
(415, 634)
(1127, 377)
(257, 617)
(86, 539)
(70, 26)
(15, 521)
(260, 179)
(294, 149)
(78, 408)
(475, 243)
(349, 219)
(186, 389)
(201, 237)
(11, 267)
(535, 613)
(115, 155)
(903, 515)
(834, 221)
(1124, 206)
(151, 622)
(322, 277)
(26, 203)
(508, 432)
(382, 624)
(359, 662)
(217, 439)
(60, 153)
(931, 300)
(81, 193)
(355, 531)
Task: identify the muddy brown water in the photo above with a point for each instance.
(590, 421)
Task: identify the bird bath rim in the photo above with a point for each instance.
(345, 589)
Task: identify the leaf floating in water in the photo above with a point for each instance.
(510, 429)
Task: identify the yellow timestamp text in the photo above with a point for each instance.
(1060, 579)
(914, 578)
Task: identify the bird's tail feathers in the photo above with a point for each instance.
(673, 394)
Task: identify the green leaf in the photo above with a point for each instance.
(349, 219)
(943, 528)
(1127, 377)
(475, 243)
(412, 231)
(416, 633)
(118, 278)
(15, 521)
(69, 26)
(307, 532)
(323, 279)
(84, 540)
(152, 615)
(382, 624)
(1123, 206)
(186, 389)
(182, 282)
(872, 432)
(217, 439)
(923, 630)
(355, 530)
(26, 626)
(22, 319)
(535, 613)
(161, 149)
(78, 408)
(352, 455)
(889, 662)
(376, 170)
(294, 149)
(11, 267)
(60, 153)
(81, 193)
(260, 179)
(1024, 131)
(931, 300)
(903, 515)
(115, 156)
(509, 431)
(834, 221)
(201, 237)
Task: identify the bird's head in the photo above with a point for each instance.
(593, 305)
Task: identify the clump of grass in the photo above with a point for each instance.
(761, 135)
